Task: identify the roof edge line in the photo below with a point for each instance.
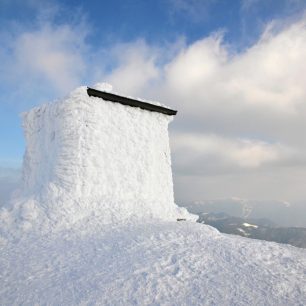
(130, 102)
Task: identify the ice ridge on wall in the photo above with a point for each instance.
(90, 158)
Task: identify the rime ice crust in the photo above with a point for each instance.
(90, 158)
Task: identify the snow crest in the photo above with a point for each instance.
(87, 158)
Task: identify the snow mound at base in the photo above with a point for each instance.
(95, 160)
(165, 263)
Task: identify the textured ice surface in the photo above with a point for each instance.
(90, 158)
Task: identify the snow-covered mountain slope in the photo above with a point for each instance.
(282, 213)
(150, 263)
(255, 228)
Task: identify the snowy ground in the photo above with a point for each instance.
(150, 263)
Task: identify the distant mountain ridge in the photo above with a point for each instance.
(283, 213)
(262, 229)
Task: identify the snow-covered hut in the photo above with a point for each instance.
(98, 154)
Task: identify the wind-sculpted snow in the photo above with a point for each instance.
(161, 263)
(86, 157)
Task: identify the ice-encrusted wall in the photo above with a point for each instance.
(86, 157)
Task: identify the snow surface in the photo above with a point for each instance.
(242, 231)
(156, 263)
(249, 225)
(90, 227)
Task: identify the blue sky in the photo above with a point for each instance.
(234, 70)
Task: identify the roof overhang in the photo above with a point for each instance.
(131, 102)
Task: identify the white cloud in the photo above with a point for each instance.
(240, 153)
(42, 60)
(195, 65)
(51, 53)
(136, 67)
(268, 75)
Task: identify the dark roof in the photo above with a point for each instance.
(131, 102)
